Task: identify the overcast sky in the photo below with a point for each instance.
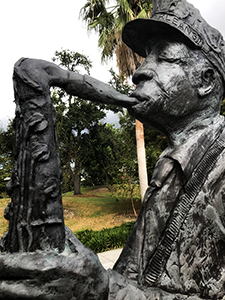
(36, 29)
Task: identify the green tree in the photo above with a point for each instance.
(75, 118)
(108, 18)
(6, 154)
(101, 145)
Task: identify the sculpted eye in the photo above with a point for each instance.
(169, 59)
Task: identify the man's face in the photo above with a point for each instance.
(166, 84)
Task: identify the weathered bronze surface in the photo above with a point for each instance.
(177, 248)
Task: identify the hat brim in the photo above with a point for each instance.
(137, 34)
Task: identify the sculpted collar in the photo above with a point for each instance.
(193, 145)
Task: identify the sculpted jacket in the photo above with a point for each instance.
(196, 263)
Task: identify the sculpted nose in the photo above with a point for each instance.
(142, 74)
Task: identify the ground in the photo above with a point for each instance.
(94, 209)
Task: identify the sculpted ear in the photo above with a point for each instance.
(208, 82)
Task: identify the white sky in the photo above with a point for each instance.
(36, 29)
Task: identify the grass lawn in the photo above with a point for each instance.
(94, 209)
(3, 222)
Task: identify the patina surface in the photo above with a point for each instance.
(176, 249)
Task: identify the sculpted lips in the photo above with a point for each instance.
(138, 97)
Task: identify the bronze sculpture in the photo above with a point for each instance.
(176, 250)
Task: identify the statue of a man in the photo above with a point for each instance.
(176, 249)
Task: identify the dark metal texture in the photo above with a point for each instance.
(35, 213)
(176, 249)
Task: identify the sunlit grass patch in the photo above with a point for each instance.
(3, 222)
(95, 209)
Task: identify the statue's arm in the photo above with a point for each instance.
(43, 74)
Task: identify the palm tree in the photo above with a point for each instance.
(108, 22)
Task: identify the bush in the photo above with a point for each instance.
(107, 238)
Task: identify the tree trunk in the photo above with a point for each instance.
(143, 176)
(133, 207)
(106, 180)
(76, 178)
(77, 167)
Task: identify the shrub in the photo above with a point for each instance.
(107, 238)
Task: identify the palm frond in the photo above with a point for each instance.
(92, 9)
(107, 42)
(109, 22)
(127, 60)
(142, 14)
